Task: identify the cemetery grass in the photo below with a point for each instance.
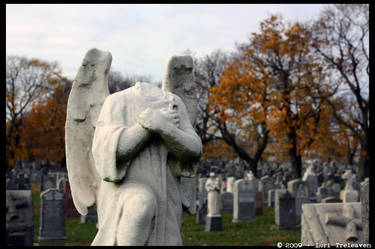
(258, 232)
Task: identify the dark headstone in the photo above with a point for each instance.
(52, 221)
(202, 214)
(271, 198)
(285, 210)
(213, 224)
(259, 203)
(227, 202)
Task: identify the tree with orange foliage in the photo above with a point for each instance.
(276, 89)
(27, 81)
(44, 127)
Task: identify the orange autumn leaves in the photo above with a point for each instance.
(44, 128)
(36, 109)
(278, 82)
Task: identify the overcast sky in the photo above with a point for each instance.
(140, 37)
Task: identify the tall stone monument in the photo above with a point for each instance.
(213, 220)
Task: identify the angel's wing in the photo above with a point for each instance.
(179, 79)
(89, 90)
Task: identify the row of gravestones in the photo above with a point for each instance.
(329, 223)
(300, 191)
(325, 223)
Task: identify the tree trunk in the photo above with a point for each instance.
(364, 162)
(295, 159)
(253, 166)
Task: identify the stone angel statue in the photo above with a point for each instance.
(133, 153)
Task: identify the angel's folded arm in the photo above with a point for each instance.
(131, 141)
(183, 142)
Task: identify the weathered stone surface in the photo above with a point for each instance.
(52, 220)
(331, 223)
(244, 201)
(19, 218)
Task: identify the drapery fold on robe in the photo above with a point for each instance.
(149, 168)
(110, 125)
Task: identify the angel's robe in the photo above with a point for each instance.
(153, 167)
